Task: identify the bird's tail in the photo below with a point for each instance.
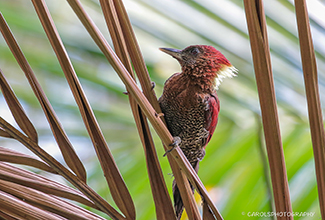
(178, 202)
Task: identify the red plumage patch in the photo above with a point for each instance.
(212, 116)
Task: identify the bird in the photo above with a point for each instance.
(190, 104)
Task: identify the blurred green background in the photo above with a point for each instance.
(232, 169)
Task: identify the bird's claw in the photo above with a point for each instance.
(158, 115)
(176, 142)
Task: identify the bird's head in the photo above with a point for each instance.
(201, 61)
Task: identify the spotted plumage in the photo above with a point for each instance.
(187, 108)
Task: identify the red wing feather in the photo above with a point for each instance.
(211, 115)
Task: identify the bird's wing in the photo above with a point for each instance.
(211, 115)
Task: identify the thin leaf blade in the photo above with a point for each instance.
(114, 179)
(16, 109)
(312, 92)
(67, 150)
(11, 156)
(164, 208)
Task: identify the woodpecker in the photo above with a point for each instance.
(190, 103)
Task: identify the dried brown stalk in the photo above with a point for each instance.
(67, 150)
(264, 79)
(16, 109)
(7, 155)
(5, 134)
(42, 184)
(12, 132)
(117, 186)
(48, 202)
(69, 176)
(18, 209)
(313, 100)
(164, 208)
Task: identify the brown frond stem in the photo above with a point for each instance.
(312, 92)
(164, 207)
(117, 186)
(264, 78)
(74, 180)
(67, 150)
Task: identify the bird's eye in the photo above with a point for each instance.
(195, 51)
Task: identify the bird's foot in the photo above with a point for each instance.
(176, 142)
(159, 115)
(126, 93)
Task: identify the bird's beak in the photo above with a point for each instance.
(173, 52)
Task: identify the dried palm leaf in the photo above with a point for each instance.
(3, 133)
(18, 209)
(164, 208)
(40, 183)
(16, 109)
(69, 176)
(47, 202)
(264, 79)
(67, 150)
(116, 184)
(7, 155)
(312, 92)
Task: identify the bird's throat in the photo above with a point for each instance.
(225, 72)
